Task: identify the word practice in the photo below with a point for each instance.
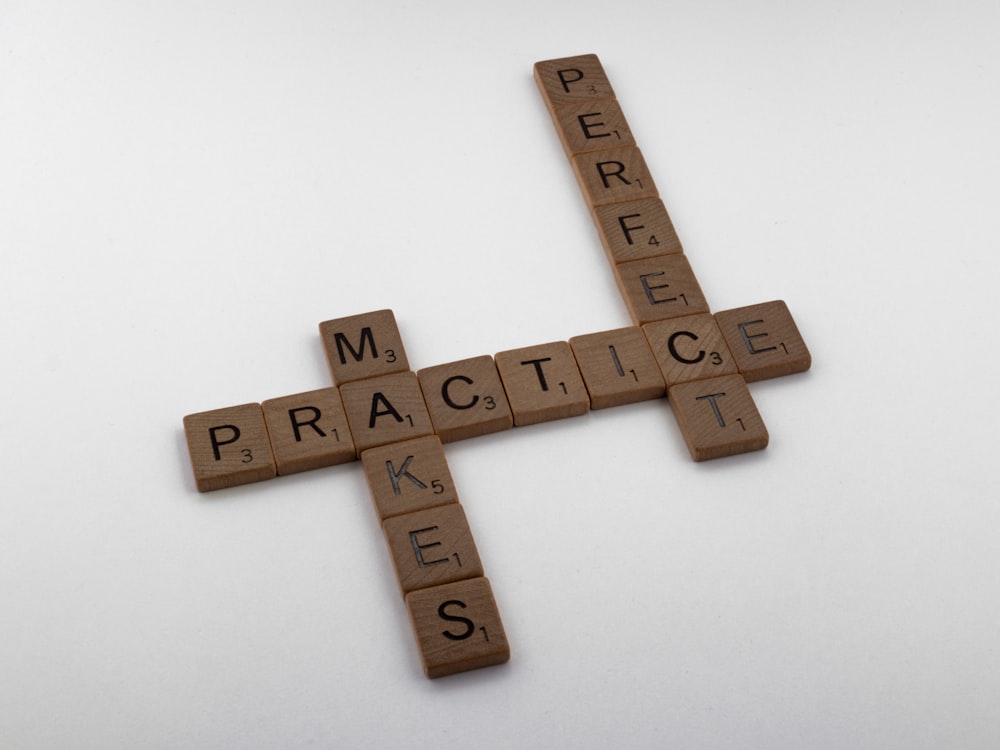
(396, 420)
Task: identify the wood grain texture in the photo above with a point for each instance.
(308, 431)
(592, 126)
(689, 348)
(465, 399)
(431, 547)
(543, 383)
(408, 476)
(764, 340)
(635, 230)
(614, 176)
(385, 409)
(363, 346)
(617, 367)
(718, 417)
(660, 288)
(229, 447)
(572, 80)
(458, 627)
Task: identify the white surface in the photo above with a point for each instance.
(187, 189)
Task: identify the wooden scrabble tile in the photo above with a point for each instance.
(617, 367)
(408, 476)
(689, 348)
(660, 288)
(308, 431)
(614, 176)
(592, 126)
(569, 80)
(764, 340)
(431, 547)
(718, 417)
(542, 383)
(636, 230)
(465, 399)
(229, 447)
(363, 346)
(385, 409)
(458, 627)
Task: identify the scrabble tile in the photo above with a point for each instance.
(592, 126)
(308, 431)
(458, 627)
(569, 80)
(689, 348)
(385, 409)
(543, 383)
(614, 176)
(660, 288)
(431, 547)
(636, 230)
(617, 367)
(465, 399)
(363, 346)
(408, 476)
(229, 447)
(764, 340)
(718, 417)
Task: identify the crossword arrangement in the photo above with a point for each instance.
(395, 421)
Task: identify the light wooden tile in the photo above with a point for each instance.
(363, 346)
(431, 547)
(569, 80)
(542, 383)
(592, 126)
(635, 230)
(718, 417)
(308, 431)
(689, 348)
(764, 340)
(660, 288)
(386, 409)
(229, 447)
(408, 476)
(458, 627)
(465, 399)
(617, 367)
(614, 176)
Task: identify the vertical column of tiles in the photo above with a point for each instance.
(656, 280)
(454, 615)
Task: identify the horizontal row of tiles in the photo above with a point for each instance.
(379, 400)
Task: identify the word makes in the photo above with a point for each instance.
(396, 420)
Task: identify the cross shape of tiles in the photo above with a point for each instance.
(396, 420)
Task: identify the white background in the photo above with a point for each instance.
(187, 189)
